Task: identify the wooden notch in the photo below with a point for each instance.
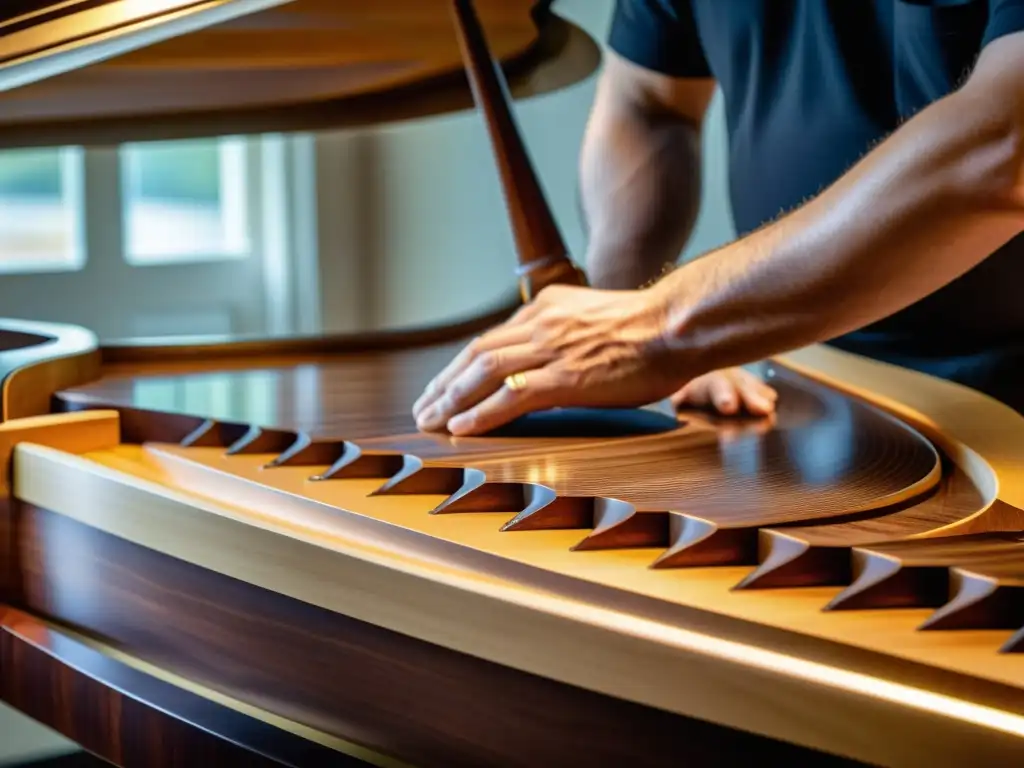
(790, 561)
(618, 525)
(696, 542)
(414, 478)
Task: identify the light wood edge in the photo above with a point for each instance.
(303, 731)
(984, 437)
(107, 44)
(29, 376)
(674, 669)
(78, 432)
(27, 391)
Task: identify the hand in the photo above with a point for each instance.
(729, 392)
(572, 346)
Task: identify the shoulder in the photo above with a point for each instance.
(659, 35)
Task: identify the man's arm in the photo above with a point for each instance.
(640, 170)
(940, 195)
(640, 182)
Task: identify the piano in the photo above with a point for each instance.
(312, 581)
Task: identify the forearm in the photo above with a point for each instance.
(935, 199)
(640, 194)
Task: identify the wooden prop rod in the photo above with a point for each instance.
(543, 257)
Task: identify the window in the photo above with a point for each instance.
(185, 201)
(201, 236)
(41, 211)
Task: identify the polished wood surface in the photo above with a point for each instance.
(36, 359)
(130, 718)
(763, 474)
(679, 640)
(295, 65)
(399, 695)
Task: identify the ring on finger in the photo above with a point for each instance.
(516, 382)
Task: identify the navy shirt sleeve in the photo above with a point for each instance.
(1005, 17)
(660, 35)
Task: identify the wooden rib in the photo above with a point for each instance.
(987, 594)
(238, 438)
(915, 573)
(804, 556)
(618, 525)
(694, 542)
(415, 478)
(883, 579)
(213, 433)
(477, 495)
(262, 440)
(543, 257)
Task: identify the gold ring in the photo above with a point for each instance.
(516, 381)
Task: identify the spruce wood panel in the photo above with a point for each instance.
(301, 65)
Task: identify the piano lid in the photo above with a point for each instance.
(101, 71)
(43, 38)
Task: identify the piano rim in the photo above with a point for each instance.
(955, 418)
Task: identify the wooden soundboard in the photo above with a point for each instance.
(243, 553)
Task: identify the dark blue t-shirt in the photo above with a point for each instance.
(809, 87)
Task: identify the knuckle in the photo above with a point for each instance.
(568, 377)
(488, 363)
(475, 346)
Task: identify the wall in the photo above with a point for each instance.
(432, 238)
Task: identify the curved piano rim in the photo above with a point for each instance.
(983, 437)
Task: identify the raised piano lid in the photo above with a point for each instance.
(242, 66)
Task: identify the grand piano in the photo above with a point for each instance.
(318, 583)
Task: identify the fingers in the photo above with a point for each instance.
(504, 335)
(481, 378)
(540, 391)
(757, 397)
(729, 392)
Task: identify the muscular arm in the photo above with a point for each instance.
(928, 204)
(640, 171)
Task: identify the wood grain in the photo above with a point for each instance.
(132, 719)
(676, 640)
(301, 65)
(420, 702)
(753, 478)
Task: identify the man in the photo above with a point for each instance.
(877, 181)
